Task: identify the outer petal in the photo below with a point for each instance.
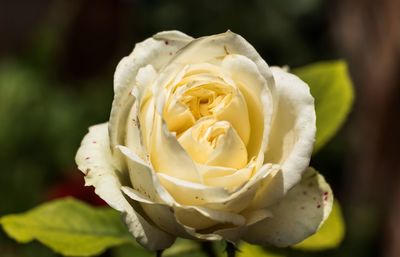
(297, 216)
(95, 160)
(234, 233)
(159, 213)
(216, 47)
(258, 94)
(200, 217)
(242, 197)
(271, 189)
(184, 221)
(143, 178)
(293, 130)
(156, 51)
(189, 193)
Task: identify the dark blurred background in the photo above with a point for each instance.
(57, 59)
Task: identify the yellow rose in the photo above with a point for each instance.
(206, 141)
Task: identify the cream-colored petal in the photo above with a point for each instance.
(178, 117)
(194, 143)
(237, 114)
(193, 219)
(297, 216)
(254, 216)
(165, 218)
(179, 220)
(133, 133)
(229, 178)
(213, 48)
(202, 68)
(242, 197)
(145, 77)
(156, 51)
(270, 190)
(95, 160)
(214, 143)
(143, 178)
(161, 214)
(230, 182)
(167, 155)
(146, 122)
(189, 193)
(293, 129)
(233, 234)
(201, 218)
(207, 171)
(258, 93)
(230, 151)
(136, 195)
(123, 107)
(169, 76)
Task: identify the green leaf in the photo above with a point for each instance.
(329, 236)
(248, 250)
(69, 227)
(332, 89)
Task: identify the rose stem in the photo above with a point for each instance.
(231, 249)
(207, 247)
(159, 253)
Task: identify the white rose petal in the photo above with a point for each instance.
(297, 216)
(95, 160)
(293, 129)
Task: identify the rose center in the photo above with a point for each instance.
(205, 100)
(213, 142)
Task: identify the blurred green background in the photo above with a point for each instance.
(57, 59)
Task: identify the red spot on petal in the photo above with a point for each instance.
(318, 206)
(87, 158)
(325, 193)
(94, 142)
(166, 42)
(326, 198)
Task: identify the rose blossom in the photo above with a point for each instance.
(206, 141)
